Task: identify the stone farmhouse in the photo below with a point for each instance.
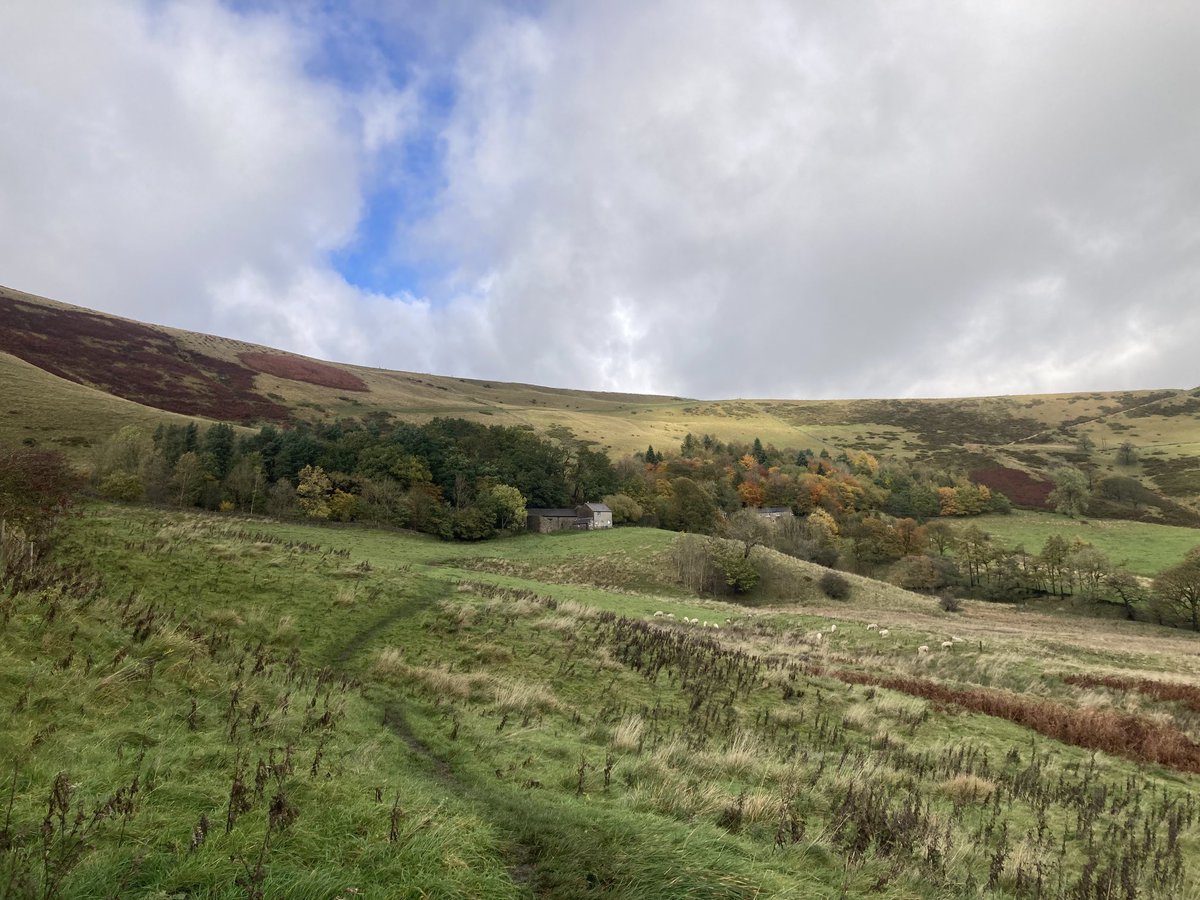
(774, 513)
(584, 517)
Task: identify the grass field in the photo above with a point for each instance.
(1146, 549)
(246, 708)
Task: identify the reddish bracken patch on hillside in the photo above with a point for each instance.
(309, 371)
(1019, 487)
(1127, 734)
(131, 360)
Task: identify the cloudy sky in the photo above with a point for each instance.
(803, 198)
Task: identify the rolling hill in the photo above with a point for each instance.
(74, 375)
(215, 704)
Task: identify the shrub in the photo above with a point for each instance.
(625, 509)
(835, 586)
(122, 486)
(826, 556)
(736, 569)
(917, 573)
(36, 487)
(949, 603)
(473, 523)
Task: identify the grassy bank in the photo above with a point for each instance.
(284, 710)
(1146, 549)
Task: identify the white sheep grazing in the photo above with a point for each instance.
(715, 625)
(872, 627)
(832, 628)
(817, 636)
(946, 645)
(704, 624)
(658, 614)
(883, 632)
(923, 649)
(670, 615)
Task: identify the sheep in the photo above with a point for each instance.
(817, 636)
(946, 645)
(873, 627)
(956, 639)
(923, 649)
(670, 615)
(832, 628)
(658, 614)
(883, 632)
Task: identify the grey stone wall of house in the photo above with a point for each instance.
(586, 516)
(596, 515)
(547, 520)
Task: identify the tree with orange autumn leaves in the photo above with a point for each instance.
(853, 486)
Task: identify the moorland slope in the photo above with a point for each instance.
(74, 375)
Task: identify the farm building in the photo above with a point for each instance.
(774, 513)
(597, 515)
(584, 517)
(545, 520)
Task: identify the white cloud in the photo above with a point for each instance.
(688, 196)
(162, 149)
(826, 199)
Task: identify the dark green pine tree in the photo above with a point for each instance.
(759, 454)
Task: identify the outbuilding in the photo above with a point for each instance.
(545, 520)
(594, 515)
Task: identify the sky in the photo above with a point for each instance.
(705, 198)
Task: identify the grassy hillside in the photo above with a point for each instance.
(208, 705)
(218, 378)
(43, 409)
(1146, 549)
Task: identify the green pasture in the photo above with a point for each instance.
(409, 717)
(1144, 547)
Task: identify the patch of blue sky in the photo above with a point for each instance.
(401, 191)
(362, 45)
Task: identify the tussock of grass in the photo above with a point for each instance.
(440, 680)
(860, 716)
(516, 696)
(285, 633)
(902, 708)
(968, 788)
(224, 618)
(628, 733)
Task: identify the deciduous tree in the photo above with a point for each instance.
(510, 507)
(313, 491)
(1071, 493)
(1180, 586)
